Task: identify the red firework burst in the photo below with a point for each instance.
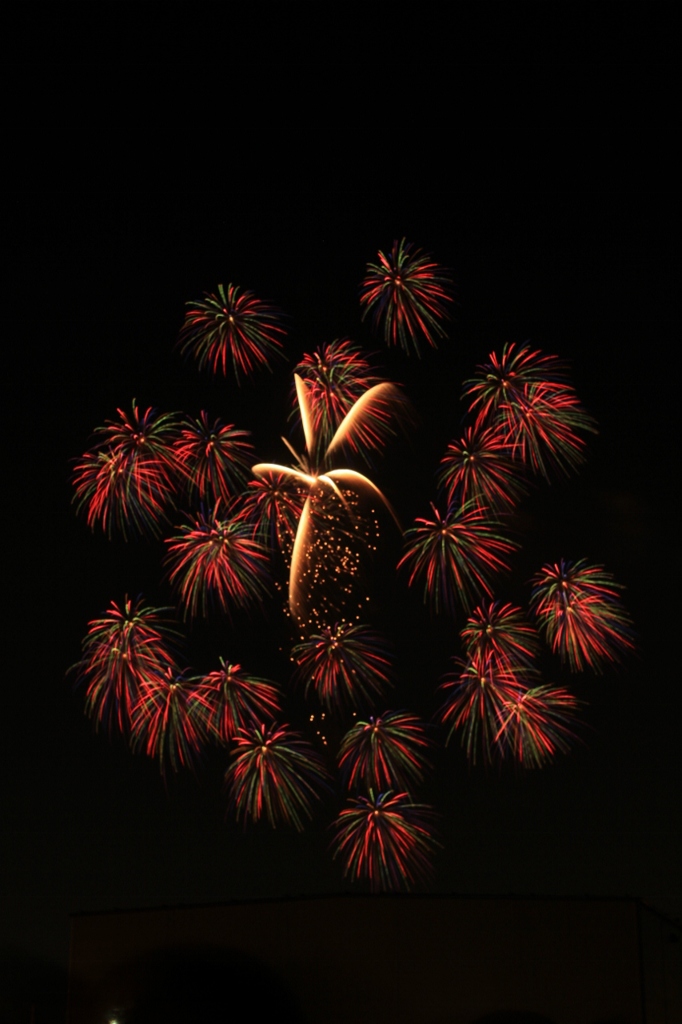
(275, 774)
(385, 839)
(479, 470)
(501, 631)
(409, 294)
(579, 609)
(475, 699)
(536, 724)
(273, 505)
(168, 721)
(128, 480)
(216, 561)
(131, 647)
(215, 459)
(525, 395)
(231, 701)
(232, 328)
(345, 665)
(386, 752)
(455, 555)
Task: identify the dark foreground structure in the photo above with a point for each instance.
(403, 960)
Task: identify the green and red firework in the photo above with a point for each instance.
(231, 701)
(386, 840)
(479, 469)
(345, 665)
(130, 647)
(275, 774)
(455, 555)
(215, 459)
(232, 329)
(168, 721)
(525, 396)
(476, 695)
(579, 609)
(216, 562)
(272, 505)
(534, 725)
(128, 480)
(500, 630)
(386, 752)
(408, 295)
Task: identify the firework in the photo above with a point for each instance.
(343, 664)
(384, 752)
(215, 459)
(501, 631)
(336, 375)
(128, 479)
(579, 609)
(275, 774)
(479, 469)
(476, 696)
(232, 328)
(385, 839)
(409, 294)
(167, 722)
(313, 474)
(526, 396)
(216, 561)
(130, 647)
(455, 555)
(231, 701)
(536, 724)
(273, 505)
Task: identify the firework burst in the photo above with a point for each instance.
(408, 294)
(214, 458)
(500, 631)
(579, 609)
(168, 721)
(216, 561)
(231, 701)
(479, 470)
(273, 504)
(536, 724)
(476, 696)
(526, 396)
(455, 555)
(128, 480)
(131, 647)
(385, 839)
(386, 752)
(344, 664)
(232, 328)
(275, 774)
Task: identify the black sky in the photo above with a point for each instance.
(563, 240)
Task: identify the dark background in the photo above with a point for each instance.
(562, 240)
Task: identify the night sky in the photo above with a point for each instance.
(563, 241)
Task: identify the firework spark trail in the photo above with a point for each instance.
(346, 664)
(275, 774)
(129, 479)
(132, 646)
(232, 328)
(214, 459)
(579, 610)
(500, 630)
(386, 752)
(409, 294)
(216, 561)
(455, 556)
(385, 839)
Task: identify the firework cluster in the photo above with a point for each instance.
(239, 532)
